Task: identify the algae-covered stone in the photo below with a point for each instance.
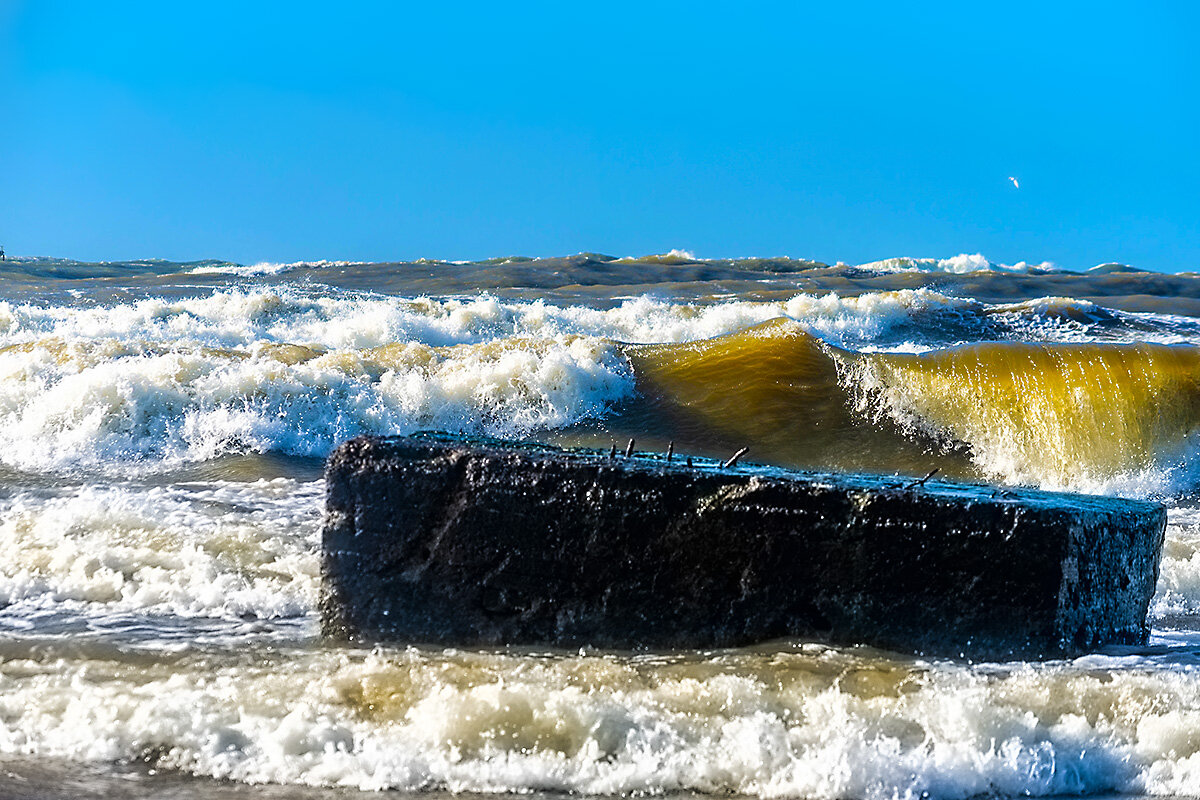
(434, 539)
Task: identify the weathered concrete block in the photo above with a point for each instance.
(475, 542)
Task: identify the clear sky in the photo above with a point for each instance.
(376, 130)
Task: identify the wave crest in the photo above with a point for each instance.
(110, 403)
(1088, 416)
(1096, 417)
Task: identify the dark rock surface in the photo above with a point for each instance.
(434, 539)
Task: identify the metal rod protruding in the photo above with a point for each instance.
(733, 459)
(921, 481)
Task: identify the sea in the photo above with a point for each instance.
(163, 428)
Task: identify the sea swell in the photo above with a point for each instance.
(1096, 416)
(1053, 392)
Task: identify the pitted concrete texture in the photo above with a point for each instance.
(473, 542)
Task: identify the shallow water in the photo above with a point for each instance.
(162, 429)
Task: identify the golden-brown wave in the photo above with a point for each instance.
(1060, 415)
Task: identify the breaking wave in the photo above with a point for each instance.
(961, 264)
(120, 402)
(1097, 417)
(1057, 394)
(212, 550)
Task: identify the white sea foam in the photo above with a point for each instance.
(294, 372)
(817, 724)
(213, 550)
(1178, 592)
(109, 401)
(241, 317)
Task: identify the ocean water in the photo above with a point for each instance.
(162, 430)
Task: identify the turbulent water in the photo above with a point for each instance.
(162, 427)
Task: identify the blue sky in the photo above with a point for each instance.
(837, 131)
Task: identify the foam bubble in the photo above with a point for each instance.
(238, 318)
(1178, 592)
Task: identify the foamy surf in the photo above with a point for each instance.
(783, 720)
(796, 721)
(243, 317)
(105, 402)
(214, 549)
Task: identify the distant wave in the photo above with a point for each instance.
(961, 264)
(670, 258)
(265, 267)
(459, 276)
